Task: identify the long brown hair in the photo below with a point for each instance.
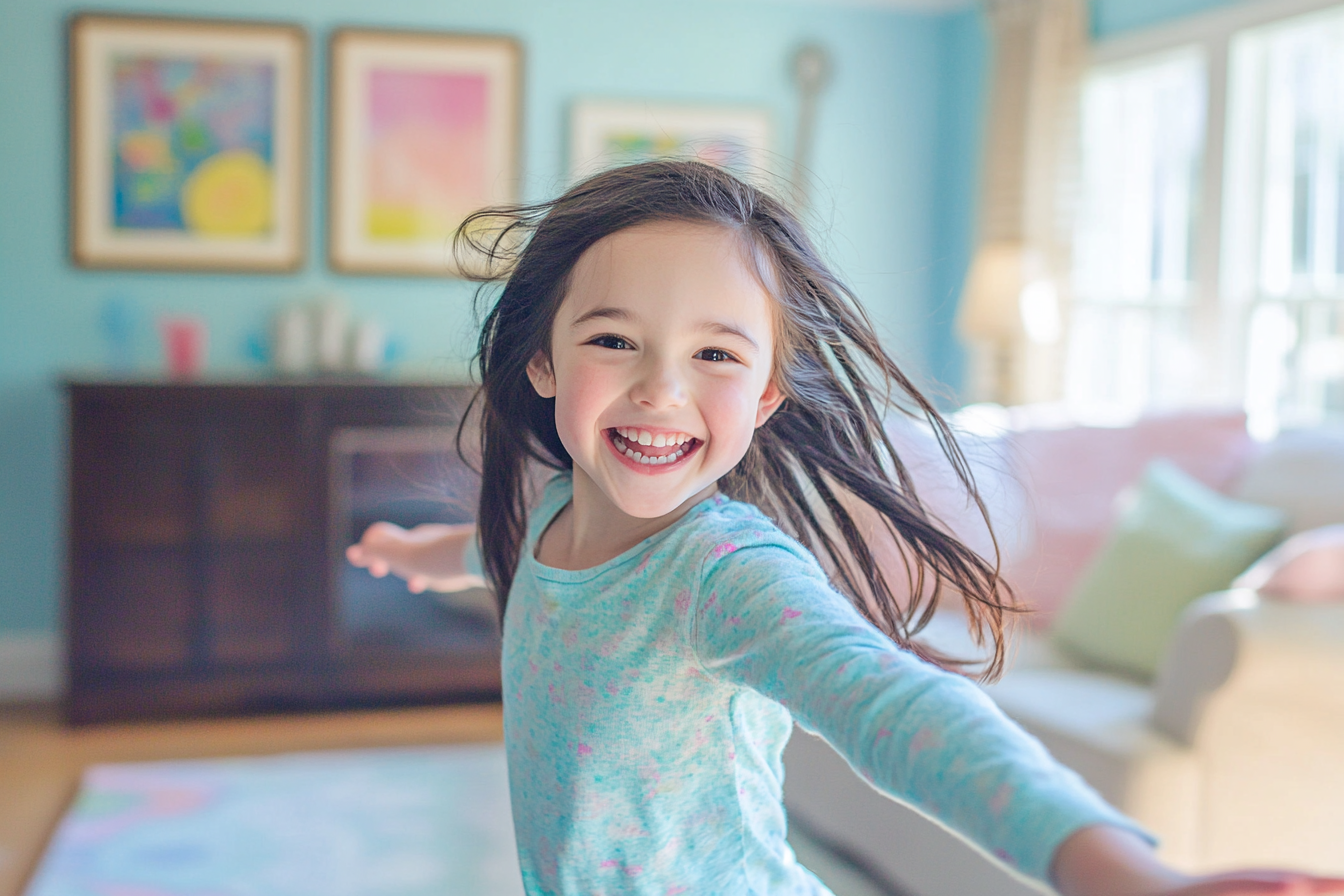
(823, 448)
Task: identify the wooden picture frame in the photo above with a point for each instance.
(608, 133)
(187, 143)
(424, 129)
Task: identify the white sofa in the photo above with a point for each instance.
(1233, 755)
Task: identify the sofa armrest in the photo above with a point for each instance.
(1233, 640)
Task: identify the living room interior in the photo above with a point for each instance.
(1106, 235)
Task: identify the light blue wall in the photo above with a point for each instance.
(1112, 17)
(962, 71)
(884, 205)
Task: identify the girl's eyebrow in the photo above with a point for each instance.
(724, 329)
(605, 312)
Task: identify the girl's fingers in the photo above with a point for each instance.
(417, 584)
(360, 557)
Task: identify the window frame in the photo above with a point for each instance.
(1212, 32)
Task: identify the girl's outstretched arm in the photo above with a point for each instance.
(1108, 861)
(764, 617)
(430, 557)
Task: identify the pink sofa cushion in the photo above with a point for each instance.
(1307, 568)
(1073, 476)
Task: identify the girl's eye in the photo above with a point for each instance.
(607, 340)
(713, 354)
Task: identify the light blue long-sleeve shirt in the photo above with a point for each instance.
(647, 702)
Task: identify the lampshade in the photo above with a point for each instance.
(990, 307)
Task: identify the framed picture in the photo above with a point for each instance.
(604, 134)
(186, 143)
(424, 131)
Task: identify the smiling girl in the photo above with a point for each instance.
(712, 397)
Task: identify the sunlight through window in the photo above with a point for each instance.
(1142, 143)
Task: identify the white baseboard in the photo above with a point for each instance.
(30, 666)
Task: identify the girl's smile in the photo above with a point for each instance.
(652, 453)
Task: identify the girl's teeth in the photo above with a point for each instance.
(653, 460)
(644, 437)
(630, 437)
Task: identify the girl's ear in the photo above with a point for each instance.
(542, 376)
(770, 401)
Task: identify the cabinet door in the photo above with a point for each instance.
(253, 479)
(250, 611)
(132, 471)
(255, 485)
(132, 611)
(132, 522)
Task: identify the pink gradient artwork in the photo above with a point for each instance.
(428, 152)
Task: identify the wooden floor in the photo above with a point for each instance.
(41, 759)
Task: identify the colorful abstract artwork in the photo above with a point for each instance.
(186, 141)
(725, 150)
(424, 132)
(607, 134)
(192, 142)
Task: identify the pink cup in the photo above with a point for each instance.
(183, 346)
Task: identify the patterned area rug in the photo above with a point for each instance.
(398, 822)
(402, 822)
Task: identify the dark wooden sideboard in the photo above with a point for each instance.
(205, 532)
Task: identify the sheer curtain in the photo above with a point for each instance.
(1011, 309)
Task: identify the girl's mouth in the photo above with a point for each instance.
(641, 448)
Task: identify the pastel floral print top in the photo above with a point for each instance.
(647, 702)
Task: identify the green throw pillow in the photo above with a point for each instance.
(1178, 540)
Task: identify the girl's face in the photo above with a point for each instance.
(660, 366)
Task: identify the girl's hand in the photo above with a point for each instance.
(429, 557)
(1111, 861)
(1246, 883)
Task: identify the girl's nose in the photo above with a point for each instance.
(659, 386)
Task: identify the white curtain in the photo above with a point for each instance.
(1016, 293)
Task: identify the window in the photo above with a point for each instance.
(1209, 242)
(1283, 241)
(1142, 142)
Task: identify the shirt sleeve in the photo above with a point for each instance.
(767, 619)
